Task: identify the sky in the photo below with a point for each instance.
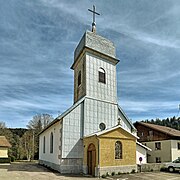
(38, 39)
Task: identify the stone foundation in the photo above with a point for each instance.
(122, 169)
(50, 165)
(65, 166)
(71, 166)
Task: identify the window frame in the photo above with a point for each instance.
(102, 75)
(51, 142)
(157, 145)
(79, 78)
(118, 150)
(44, 144)
(178, 145)
(158, 159)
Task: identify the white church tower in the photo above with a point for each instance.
(95, 105)
(95, 80)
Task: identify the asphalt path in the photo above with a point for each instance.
(33, 171)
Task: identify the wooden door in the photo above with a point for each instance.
(91, 159)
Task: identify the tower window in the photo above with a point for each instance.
(118, 150)
(79, 78)
(102, 75)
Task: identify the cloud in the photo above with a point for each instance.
(37, 40)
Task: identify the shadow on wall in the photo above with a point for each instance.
(76, 151)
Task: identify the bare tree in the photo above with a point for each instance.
(35, 126)
(2, 125)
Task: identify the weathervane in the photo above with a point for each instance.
(94, 22)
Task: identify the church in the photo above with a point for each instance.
(94, 136)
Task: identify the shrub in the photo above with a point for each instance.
(12, 159)
(119, 173)
(4, 160)
(133, 171)
(113, 173)
(107, 174)
(103, 176)
(151, 170)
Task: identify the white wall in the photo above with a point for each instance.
(164, 153)
(95, 89)
(72, 146)
(124, 123)
(3, 152)
(47, 156)
(175, 151)
(141, 152)
(97, 112)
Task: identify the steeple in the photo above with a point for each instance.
(95, 67)
(94, 22)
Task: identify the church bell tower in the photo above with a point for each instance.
(95, 67)
(95, 79)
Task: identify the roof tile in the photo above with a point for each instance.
(4, 142)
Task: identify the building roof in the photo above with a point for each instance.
(163, 129)
(125, 116)
(4, 142)
(74, 106)
(63, 114)
(108, 130)
(143, 146)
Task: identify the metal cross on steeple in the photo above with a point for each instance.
(94, 22)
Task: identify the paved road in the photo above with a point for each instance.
(32, 171)
(149, 176)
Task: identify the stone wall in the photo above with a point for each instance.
(50, 165)
(71, 166)
(67, 166)
(116, 169)
(150, 167)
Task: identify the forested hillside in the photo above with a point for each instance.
(25, 142)
(173, 122)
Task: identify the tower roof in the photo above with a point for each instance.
(95, 43)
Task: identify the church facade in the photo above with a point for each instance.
(94, 135)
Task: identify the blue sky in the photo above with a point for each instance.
(38, 38)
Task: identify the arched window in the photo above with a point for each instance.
(102, 75)
(118, 150)
(44, 144)
(51, 143)
(79, 78)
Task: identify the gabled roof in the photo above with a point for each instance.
(125, 116)
(143, 146)
(98, 133)
(63, 114)
(4, 142)
(163, 129)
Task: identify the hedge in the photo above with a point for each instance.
(5, 160)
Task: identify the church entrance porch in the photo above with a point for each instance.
(91, 159)
(111, 150)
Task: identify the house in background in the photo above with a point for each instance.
(4, 145)
(141, 153)
(164, 142)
